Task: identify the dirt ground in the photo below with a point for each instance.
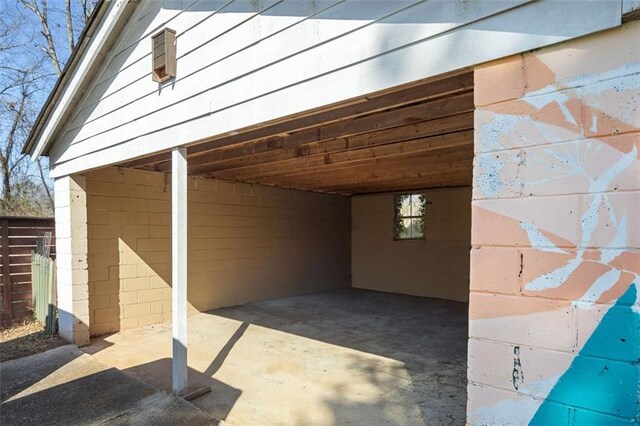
(25, 339)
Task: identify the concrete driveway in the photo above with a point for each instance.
(345, 357)
(65, 386)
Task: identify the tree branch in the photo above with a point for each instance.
(5, 157)
(45, 185)
(69, 24)
(41, 13)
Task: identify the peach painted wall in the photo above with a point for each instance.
(554, 308)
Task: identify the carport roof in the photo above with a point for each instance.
(413, 137)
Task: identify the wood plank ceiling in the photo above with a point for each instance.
(415, 137)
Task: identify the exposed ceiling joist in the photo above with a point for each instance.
(415, 137)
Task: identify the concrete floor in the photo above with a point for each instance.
(65, 386)
(343, 357)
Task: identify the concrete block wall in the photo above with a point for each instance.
(129, 225)
(554, 306)
(246, 243)
(71, 258)
(437, 266)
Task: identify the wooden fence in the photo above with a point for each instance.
(18, 238)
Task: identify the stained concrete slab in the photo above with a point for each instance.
(65, 386)
(341, 357)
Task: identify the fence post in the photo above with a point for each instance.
(6, 271)
(34, 282)
(51, 308)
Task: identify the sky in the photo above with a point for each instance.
(23, 45)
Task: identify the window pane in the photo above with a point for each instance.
(405, 206)
(409, 218)
(420, 227)
(405, 231)
(399, 201)
(417, 229)
(417, 204)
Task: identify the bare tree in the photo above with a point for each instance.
(42, 13)
(18, 196)
(26, 76)
(6, 155)
(87, 6)
(19, 80)
(69, 22)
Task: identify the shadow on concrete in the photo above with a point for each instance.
(158, 374)
(224, 353)
(66, 386)
(409, 357)
(20, 374)
(428, 336)
(391, 325)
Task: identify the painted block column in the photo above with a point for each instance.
(554, 332)
(71, 259)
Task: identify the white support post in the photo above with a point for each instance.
(179, 267)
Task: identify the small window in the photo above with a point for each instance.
(163, 47)
(409, 217)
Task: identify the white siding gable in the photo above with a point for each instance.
(241, 63)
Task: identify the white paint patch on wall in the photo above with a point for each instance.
(491, 132)
(618, 242)
(555, 278)
(538, 240)
(602, 182)
(602, 284)
(489, 179)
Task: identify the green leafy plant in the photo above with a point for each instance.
(399, 227)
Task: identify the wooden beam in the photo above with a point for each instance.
(455, 177)
(289, 155)
(179, 267)
(455, 180)
(367, 105)
(339, 160)
(460, 175)
(149, 161)
(447, 174)
(419, 135)
(371, 172)
(385, 120)
(416, 92)
(376, 168)
(375, 122)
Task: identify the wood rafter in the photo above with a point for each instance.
(420, 136)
